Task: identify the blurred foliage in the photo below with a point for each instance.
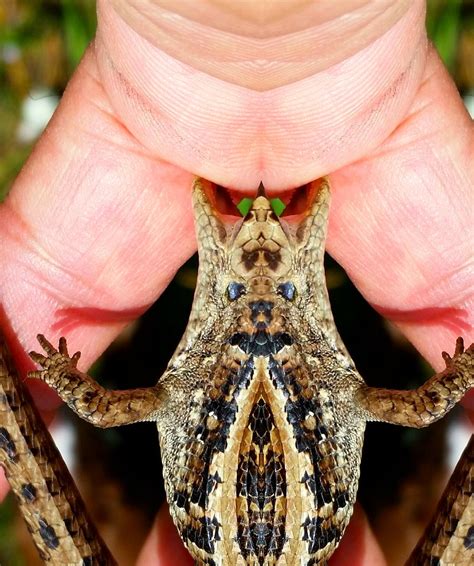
(443, 21)
(9, 552)
(41, 43)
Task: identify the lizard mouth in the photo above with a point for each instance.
(297, 201)
(294, 202)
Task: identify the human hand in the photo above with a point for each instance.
(100, 218)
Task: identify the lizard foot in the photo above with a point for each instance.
(87, 398)
(460, 357)
(55, 364)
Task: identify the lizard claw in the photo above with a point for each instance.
(459, 346)
(46, 345)
(63, 346)
(38, 358)
(450, 361)
(55, 359)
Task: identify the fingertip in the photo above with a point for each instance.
(163, 546)
(4, 486)
(358, 546)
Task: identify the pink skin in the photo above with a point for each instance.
(100, 218)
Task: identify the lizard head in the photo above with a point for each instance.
(263, 253)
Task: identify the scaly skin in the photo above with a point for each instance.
(48, 498)
(450, 536)
(261, 411)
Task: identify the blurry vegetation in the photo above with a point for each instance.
(9, 554)
(443, 24)
(41, 42)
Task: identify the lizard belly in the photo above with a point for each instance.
(262, 482)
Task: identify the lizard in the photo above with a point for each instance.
(48, 498)
(261, 411)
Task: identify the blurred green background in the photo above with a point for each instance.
(41, 43)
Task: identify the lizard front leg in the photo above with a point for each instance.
(431, 401)
(46, 493)
(99, 406)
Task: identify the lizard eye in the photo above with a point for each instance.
(235, 290)
(287, 290)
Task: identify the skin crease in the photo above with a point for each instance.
(100, 218)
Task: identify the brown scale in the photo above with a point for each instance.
(261, 331)
(53, 509)
(261, 485)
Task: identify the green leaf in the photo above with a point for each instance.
(278, 206)
(245, 205)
